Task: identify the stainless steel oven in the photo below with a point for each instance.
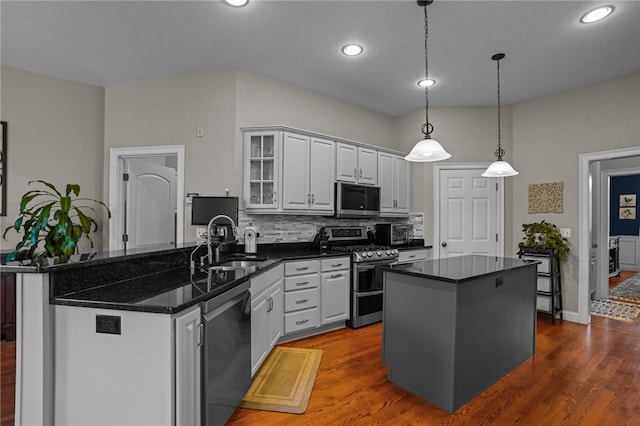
(366, 281)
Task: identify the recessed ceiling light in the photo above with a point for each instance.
(352, 49)
(236, 3)
(426, 83)
(596, 14)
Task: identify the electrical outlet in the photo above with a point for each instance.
(201, 232)
(565, 232)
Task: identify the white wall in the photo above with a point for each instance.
(56, 131)
(550, 133)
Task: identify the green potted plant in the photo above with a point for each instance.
(52, 224)
(544, 235)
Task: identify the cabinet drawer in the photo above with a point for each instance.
(407, 256)
(303, 299)
(544, 303)
(334, 264)
(301, 267)
(544, 284)
(297, 321)
(300, 282)
(544, 267)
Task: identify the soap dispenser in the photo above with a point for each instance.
(250, 236)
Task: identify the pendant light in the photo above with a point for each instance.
(499, 168)
(427, 149)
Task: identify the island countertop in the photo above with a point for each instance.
(459, 269)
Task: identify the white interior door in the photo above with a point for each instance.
(150, 203)
(470, 213)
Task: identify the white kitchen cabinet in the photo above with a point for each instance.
(262, 170)
(335, 280)
(308, 167)
(301, 310)
(412, 255)
(393, 179)
(188, 367)
(266, 315)
(356, 164)
(149, 373)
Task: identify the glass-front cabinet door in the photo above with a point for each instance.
(261, 170)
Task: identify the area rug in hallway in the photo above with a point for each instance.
(285, 380)
(628, 290)
(615, 310)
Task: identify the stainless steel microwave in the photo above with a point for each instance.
(391, 234)
(356, 201)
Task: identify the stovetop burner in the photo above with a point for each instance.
(353, 239)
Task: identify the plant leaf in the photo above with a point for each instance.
(48, 185)
(73, 187)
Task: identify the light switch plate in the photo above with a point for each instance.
(565, 232)
(201, 232)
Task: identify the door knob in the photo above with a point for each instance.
(444, 244)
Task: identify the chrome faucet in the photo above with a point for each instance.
(209, 237)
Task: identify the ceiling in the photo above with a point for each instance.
(298, 42)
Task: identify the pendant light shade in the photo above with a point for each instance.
(499, 168)
(427, 149)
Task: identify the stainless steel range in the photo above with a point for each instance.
(366, 281)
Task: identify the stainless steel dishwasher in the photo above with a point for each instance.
(226, 353)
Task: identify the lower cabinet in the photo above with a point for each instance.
(148, 373)
(267, 309)
(412, 255)
(335, 279)
(301, 296)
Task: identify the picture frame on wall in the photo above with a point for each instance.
(3, 168)
(628, 200)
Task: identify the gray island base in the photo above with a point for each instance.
(452, 327)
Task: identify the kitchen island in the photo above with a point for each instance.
(452, 327)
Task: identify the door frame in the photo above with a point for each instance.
(116, 225)
(585, 213)
(436, 202)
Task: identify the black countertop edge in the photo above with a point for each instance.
(92, 259)
(411, 270)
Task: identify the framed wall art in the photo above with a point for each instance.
(3, 168)
(628, 200)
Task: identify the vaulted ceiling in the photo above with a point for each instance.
(298, 42)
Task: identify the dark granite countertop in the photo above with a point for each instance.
(459, 269)
(159, 281)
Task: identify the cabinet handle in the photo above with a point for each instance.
(302, 268)
(200, 334)
(301, 283)
(335, 265)
(355, 172)
(336, 276)
(298, 302)
(275, 200)
(308, 198)
(270, 308)
(411, 257)
(313, 199)
(360, 172)
(302, 322)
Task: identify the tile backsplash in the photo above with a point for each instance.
(276, 228)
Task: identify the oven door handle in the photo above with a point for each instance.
(369, 293)
(369, 266)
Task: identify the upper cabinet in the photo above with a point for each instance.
(393, 179)
(356, 164)
(293, 171)
(261, 165)
(308, 167)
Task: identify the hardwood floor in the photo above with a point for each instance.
(579, 375)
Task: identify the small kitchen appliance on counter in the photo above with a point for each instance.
(250, 237)
(366, 280)
(394, 234)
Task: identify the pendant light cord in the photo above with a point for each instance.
(427, 128)
(499, 152)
